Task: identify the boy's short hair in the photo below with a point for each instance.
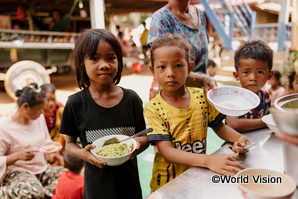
(169, 39)
(73, 164)
(258, 50)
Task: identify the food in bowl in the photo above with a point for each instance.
(265, 184)
(114, 161)
(113, 150)
(51, 147)
(269, 121)
(232, 100)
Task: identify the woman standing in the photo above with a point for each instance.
(178, 16)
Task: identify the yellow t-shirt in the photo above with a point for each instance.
(186, 129)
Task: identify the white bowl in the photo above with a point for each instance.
(232, 100)
(269, 121)
(114, 161)
(279, 185)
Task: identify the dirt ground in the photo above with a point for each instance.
(66, 85)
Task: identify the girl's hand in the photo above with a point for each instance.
(134, 154)
(26, 154)
(89, 157)
(225, 164)
(242, 142)
(142, 144)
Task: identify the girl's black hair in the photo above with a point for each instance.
(86, 46)
(258, 50)
(291, 77)
(30, 94)
(169, 39)
(48, 88)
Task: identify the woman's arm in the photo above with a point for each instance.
(201, 80)
(24, 154)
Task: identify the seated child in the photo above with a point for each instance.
(253, 63)
(180, 115)
(53, 112)
(211, 68)
(71, 182)
(274, 87)
(292, 82)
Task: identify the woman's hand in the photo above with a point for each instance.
(224, 164)
(242, 142)
(26, 153)
(89, 157)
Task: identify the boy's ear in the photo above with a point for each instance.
(190, 66)
(152, 70)
(235, 74)
(271, 73)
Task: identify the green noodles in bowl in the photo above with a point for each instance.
(114, 154)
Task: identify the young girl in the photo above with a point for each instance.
(53, 112)
(180, 115)
(24, 172)
(102, 109)
(292, 82)
(274, 87)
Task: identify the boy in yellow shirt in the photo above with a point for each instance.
(180, 116)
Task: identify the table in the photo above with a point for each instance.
(197, 182)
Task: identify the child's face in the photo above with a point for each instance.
(51, 101)
(273, 82)
(295, 84)
(253, 74)
(103, 66)
(171, 67)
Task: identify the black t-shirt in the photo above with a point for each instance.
(83, 118)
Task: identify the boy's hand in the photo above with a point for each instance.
(225, 164)
(242, 142)
(89, 157)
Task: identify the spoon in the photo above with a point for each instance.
(115, 140)
(251, 146)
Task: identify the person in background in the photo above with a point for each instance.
(53, 113)
(253, 64)
(274, 87)
(292, 86)
(124, 45)
(143, 40)
(134, 52)
(24, 169)
(102, 108)
(178, 16)
(211, 68)
(180, 115)
(71, 182)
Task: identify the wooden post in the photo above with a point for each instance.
(294, 40)
(97, 14)
(283, 19)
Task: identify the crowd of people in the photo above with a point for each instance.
(178, 111)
